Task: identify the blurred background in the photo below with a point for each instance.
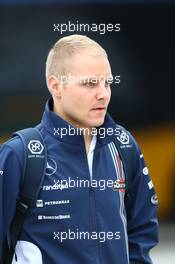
(142, 53)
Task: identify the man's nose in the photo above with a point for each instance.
(102, 92)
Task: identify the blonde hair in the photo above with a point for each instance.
(65, 48)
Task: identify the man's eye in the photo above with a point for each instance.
(107, 84)
(89, 84)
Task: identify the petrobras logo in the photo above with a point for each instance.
(41, 203)
(123, 138)
(119, 185)
(35, 147)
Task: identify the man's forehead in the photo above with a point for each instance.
(85, 58)
(91, 66)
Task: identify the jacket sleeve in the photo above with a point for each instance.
(141, 207)
(10, 173)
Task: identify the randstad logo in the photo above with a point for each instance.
(35, 147)
(123, 138)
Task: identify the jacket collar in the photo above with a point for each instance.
(65, 132)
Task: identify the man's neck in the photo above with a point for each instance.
(87, 141)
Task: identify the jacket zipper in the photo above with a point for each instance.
(94, 220)
(92, 206)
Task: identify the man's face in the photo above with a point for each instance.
(85, 98)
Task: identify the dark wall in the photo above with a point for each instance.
(142, 53)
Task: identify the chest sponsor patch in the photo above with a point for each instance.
(119, 185)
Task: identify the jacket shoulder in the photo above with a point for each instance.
(15, 145)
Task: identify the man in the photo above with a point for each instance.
(77, 219)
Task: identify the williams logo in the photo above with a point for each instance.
(35, 147)
(119, 185)
(123, 138)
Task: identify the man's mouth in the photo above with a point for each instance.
(99, 109)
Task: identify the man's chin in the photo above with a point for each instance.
(99, 123)
(94, 123)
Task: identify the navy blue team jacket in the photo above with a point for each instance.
(89, 223)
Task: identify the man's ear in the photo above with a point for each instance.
(54, 86)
